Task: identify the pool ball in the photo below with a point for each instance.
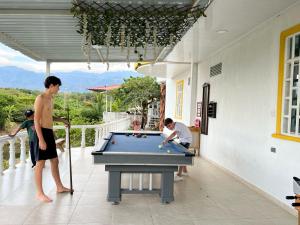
(144, 136)
(113, 142)
(139, 135)
(127, 134)
(168, 151)
(159, 146)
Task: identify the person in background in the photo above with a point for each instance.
(29, 125)
(185, 138)
(136, 125)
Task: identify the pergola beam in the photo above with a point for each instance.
(21, 47)
(40, 12)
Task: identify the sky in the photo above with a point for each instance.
(10, 57)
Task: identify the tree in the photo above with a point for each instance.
(138, 91)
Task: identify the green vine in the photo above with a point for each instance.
(137, 26)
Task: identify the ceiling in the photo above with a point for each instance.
(45, 29)
(237, 17)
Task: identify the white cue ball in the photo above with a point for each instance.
(160, 146)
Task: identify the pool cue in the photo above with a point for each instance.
(296, 204)
(298, 208)
(69, 147)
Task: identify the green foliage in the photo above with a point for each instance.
(137, 91)
(84, 108)
(135, 25)
(3, 117)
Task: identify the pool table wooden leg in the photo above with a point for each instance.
(114, 187)
(167, 187)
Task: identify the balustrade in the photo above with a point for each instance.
(101, 130)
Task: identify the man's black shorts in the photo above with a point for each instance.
(50, 151)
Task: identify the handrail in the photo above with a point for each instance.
(101, 130)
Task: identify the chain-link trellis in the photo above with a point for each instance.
(135, 25)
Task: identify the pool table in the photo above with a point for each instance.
(125, 152)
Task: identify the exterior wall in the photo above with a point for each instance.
(171, 97)
(239, 139)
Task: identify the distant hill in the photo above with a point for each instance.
(77, 81)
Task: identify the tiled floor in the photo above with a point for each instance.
(208, 196)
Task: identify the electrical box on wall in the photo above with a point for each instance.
(212, 110)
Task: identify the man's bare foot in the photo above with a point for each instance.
(63, 190)
(43, 198)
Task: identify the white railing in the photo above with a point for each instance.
(112, 116)
(101, 131)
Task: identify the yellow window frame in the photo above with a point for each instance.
(179, 99)
(283, 37)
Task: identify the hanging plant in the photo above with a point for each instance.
(122, 38)
(108, 37)
(154, 40)
(132, 23)
(128, 51)
(147, 36)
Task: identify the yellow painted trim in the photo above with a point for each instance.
(179, 82)
(285, 137)
(283, 37)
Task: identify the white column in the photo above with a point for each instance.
(193, 88)
(48, 68)
(83, 137)
(12, 156)
(1, 158)
(23, 150)
(194, 74)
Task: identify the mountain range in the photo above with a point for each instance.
(76, 81)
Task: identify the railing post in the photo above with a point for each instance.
(23, 151)
(100, 132)
(96, 135)
(105, 130)
(1, 158)
(83, 137)
(12, 156)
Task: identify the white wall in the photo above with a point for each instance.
(246, 94)
(171, 97)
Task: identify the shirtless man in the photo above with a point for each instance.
(46, 147)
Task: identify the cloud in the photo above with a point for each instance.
(10, 57)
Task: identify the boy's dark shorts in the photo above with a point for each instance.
(50, 152)
(185, 144)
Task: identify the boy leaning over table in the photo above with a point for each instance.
(185, 138)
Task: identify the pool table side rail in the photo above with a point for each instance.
(107, 139)
(114, 159)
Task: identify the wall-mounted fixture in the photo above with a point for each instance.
(212, 110)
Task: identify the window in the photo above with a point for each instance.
(179, 99)
(288, 101)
